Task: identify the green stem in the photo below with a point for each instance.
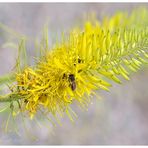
(10, 98)
(7, 78)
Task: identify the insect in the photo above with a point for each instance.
(72, 81)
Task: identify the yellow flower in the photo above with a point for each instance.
(63, 75)
(82, 63)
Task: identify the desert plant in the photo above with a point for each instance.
(85, 60)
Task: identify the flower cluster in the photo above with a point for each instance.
(84, 62)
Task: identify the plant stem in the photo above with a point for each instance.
(10, 97)
(7, 78)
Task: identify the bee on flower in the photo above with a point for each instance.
(73, 70)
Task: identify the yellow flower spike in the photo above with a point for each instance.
(78, 66)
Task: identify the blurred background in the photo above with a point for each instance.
(120, 117)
